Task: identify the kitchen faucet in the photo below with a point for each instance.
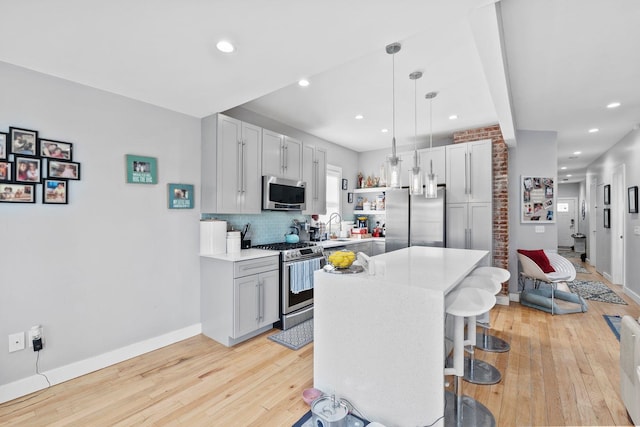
(333, 215)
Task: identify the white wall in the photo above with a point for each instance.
(114, 266)
(535, 154)
(626, 152)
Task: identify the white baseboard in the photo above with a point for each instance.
(634, 296)
(33, 383)
(502, 299)
(514, 296)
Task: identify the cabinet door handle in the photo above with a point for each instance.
(239, 171)
(286, 156)
(317, 184)
(466, 169)
(282, 157)
(258, 301)
(261, 301)
(470, 175)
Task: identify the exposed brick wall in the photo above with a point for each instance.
(500, 191)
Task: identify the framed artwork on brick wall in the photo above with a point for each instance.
(538, 199)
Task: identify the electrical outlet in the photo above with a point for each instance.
(35, 333)
(16, 342)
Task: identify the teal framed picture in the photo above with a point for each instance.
(180, 196)
(141, 170)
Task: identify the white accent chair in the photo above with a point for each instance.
(630, 366)
(564, 272)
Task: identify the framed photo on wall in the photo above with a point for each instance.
(27, 169)
(538, 199)
(180, 196)
(66, 170)
(3, 146)
(141, 170)
(5, 171)
(54, 191)
(23, 141)
(56, 149)
(632, 195)
(17, 193)
(349, 197)
(607, 194)
(607, 217)
(345, 184)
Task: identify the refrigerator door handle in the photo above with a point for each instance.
(466, 174)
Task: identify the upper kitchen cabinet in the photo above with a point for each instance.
(231, 155)
(436, 155)
(469, 172)
(314, 173)
(281, 155)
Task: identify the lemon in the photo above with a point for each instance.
(342, 259)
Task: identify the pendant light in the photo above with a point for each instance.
(393, 161)
(415, 187)
(431, 191)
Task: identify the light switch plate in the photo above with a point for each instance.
(16, 342)
(636, 230)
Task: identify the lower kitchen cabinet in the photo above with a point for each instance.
(255, 302)
(364, 247)
(239, 299)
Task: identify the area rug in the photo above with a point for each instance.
(595, 291)
(568, 254)
(296, 337)
(614, 324)
(579, 268)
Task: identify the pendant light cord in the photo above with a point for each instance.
(393, 103)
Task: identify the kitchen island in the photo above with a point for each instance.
(379, 338)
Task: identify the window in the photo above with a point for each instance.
(334, 194)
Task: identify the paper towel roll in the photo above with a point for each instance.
(213, 237)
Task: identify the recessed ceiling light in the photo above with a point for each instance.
(613, 105)
(453, 117)
(385, 130)
(225, 46)
(303, 82)
(563, 168)
(568, 175)
(359, 117)
(593, 130)
(577, 153)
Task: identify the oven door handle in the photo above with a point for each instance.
(286, 265)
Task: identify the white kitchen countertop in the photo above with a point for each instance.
(379, 339)
(243, 255)
(332, 243)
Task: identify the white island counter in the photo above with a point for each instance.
(379, 339)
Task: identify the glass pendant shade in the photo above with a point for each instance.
(415, 186)
(431, 187)
(394, 171)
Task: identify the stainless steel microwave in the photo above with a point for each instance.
(279, 194)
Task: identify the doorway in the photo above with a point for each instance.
(618, 207)
(593, 216)
(567, 221)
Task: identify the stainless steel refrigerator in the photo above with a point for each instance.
(414, 220)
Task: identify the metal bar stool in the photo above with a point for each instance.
(462, 410)
(485, 341)
(478, 371)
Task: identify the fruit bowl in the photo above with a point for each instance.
(342, 259)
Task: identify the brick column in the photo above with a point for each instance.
(500, 191)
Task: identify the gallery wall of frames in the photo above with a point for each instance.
(28, 162)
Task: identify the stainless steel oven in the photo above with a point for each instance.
(295, 307)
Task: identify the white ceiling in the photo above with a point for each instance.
(565, 60)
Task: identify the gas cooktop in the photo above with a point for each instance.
(283, 246)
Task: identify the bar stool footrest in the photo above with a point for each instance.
(491, 343)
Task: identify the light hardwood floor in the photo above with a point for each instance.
(561, 370)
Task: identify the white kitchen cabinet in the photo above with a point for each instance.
(437, 155)
(469, 226)
(469, 172)
(256, 302)
(281, 155)
(238, 299)
(377, 247)
(231, 153)
(364, 247)
(314, 173)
